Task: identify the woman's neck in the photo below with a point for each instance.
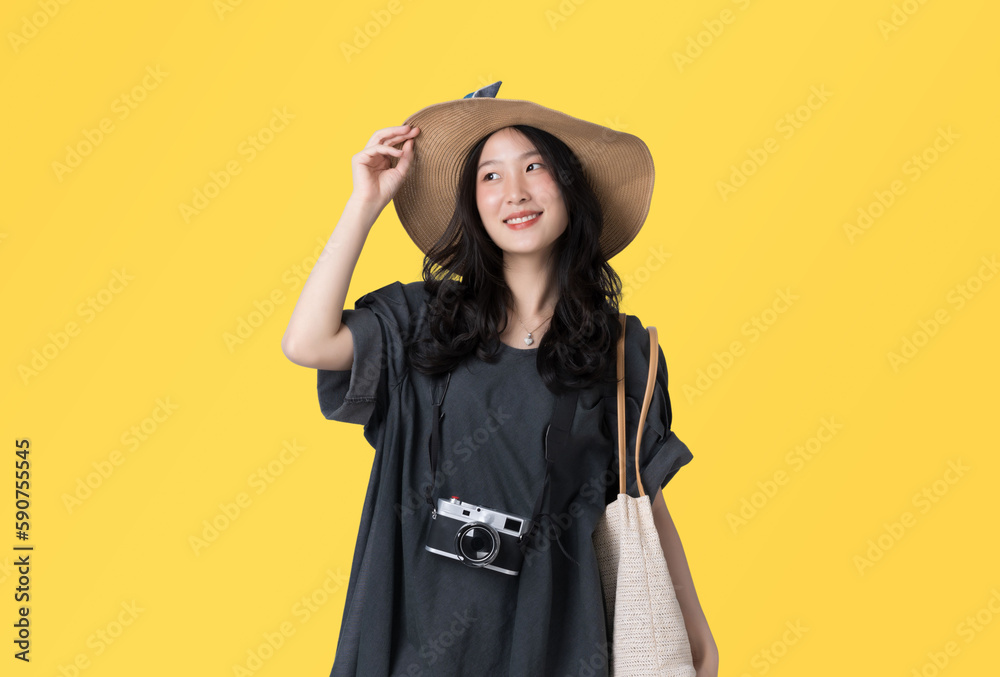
(535, 293)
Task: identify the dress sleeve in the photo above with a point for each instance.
(662, 453)
(379, 325)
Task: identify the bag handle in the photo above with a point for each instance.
(654, 353)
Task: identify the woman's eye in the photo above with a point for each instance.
(487, 175)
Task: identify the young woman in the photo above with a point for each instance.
(459, 377)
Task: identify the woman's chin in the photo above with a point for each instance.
(525, 248)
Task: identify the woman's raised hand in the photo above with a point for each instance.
(375, 179)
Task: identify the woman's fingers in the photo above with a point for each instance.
(407, 155)
(368, 154)
(373, 170)
(381, 134)
(382, 148)
(392, 135)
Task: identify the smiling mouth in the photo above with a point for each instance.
(523, 220)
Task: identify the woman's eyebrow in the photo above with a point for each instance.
(519, 157)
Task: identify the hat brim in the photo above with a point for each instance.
(618, 165)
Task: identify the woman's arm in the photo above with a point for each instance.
(703, 648)
(313, 337)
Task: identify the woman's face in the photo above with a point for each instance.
(514, 180)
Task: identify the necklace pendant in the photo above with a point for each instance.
(529, 340)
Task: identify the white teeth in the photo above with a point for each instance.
(522, 219)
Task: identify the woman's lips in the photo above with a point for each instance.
(524, 224)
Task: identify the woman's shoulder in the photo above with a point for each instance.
(400, 307)
(636, 337)
(404, 301)
(639, 348)
(398, 292)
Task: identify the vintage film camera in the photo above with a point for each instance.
(477, 536)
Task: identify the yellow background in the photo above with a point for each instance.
(896, 74)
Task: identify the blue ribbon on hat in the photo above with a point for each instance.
(489, 91)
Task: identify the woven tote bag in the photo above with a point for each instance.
(646, 631)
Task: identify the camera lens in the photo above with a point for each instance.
(477, 543)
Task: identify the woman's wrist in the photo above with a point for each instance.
(366, 207)
(705, 654)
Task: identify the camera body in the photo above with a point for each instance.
(477, 536)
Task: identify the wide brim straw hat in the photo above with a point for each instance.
(618, 165)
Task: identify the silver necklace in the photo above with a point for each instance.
(528, 340)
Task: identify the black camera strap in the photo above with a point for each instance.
(558, 463)
(439, 388)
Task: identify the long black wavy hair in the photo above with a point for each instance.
(468, 295)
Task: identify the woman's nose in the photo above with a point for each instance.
(517, 188)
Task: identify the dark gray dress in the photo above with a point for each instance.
(412, 612)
